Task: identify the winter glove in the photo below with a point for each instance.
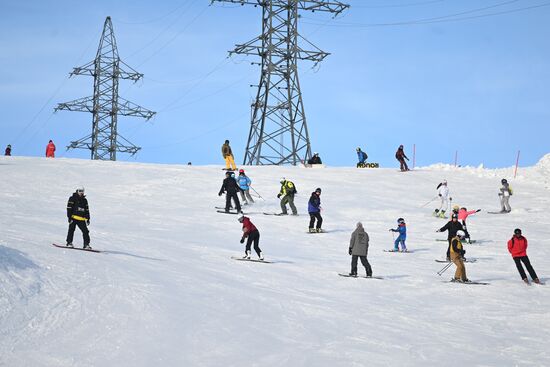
(88, 222)
(278, 196)
(462, 253)
(219, 194)
(477, 211)
(451, 199)
(242, 240)
(349, 251)
(439, 195)
(70, 220)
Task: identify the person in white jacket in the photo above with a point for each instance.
(444, 196)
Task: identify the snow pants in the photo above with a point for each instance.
(245, 196)
(400, 240)
(235, 198)
(403, 164)
(253, 237)
(528, 266)
(85, 233)
(230, 162)
(504, 203)
(460, 272)
(290, 200)
(444, 203)
(365, 263)
(314, 216)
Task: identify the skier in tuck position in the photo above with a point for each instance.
(400, 156)
(244, 184)
(457, 256)
(288, 190)
(359, 248)
(314, 209)
(452, 226)
(517, 246)
(251, 233)
(402, 230)
(504, 194)
(463, 213)
(362, 157)
(78, 214)
(230, 186)
(444, 195)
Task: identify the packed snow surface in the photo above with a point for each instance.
(165, 291)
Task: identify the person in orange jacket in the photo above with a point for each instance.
(517, 246)
(50, 150)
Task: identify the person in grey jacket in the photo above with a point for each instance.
(504, 194)
(358, 248)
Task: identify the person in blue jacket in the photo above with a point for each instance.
(244, 184)
(402, 230)
(314, 209)
(362, 156)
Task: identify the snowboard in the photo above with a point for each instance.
(469, 260)
(322, 231)
(252, 260)
(498, 212)
(230, 212)
(359, 276)
(470, 282)
(401, 252)
(76, 248)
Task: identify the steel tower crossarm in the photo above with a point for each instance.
(335, 7)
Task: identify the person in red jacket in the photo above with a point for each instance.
(251, 232)
(50, 150)
(517, 246)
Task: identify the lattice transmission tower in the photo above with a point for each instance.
(278, 130)
(106, 105)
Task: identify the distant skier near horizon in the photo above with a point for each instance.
(445, 196)
(78, 214)
(504, 194)
(400, 156)
(358, 249)
(464, 213)
(400, 240)
(227, 154)
(244, 184)
(230, 187)
(517, 246)
(288, 190)
(362, 157)
(251, 233)
(7, 152)
(314, 210)
(315, 159)
(457, 253)
(50, 150)
(452, 226)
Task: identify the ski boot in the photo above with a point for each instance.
(436, 213)
(261, 256)
(536, 280)
(312, 230)
(247, 255)
(87, 247)
(319, 230)
(526, 281)
(69, 244)
(352, 274)
(442, 214)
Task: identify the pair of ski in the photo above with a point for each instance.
(401, 252)
(280, 214)
(471, 282)
(468, 260)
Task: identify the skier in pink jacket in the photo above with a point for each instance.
(463, 213)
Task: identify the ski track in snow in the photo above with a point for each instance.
(166, 292)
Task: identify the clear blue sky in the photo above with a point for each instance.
(479, 85)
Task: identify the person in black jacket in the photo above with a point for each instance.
(452, 227)
(315, 159)
(78, 214)
(230, 186)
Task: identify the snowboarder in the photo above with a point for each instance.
(78, 214)
(445, 197)
(400, 156)
(314, 209)
(288, 190)
(457, 256)
(463, 213)
(7, 152)
(359, 248)
(244, 184)
(517, 246)
(50, 150)
(230, 186)
(315, 159)
(453, 226)
(505, 193)
(251, 232)
(362, 157)
(402, 230)
(228, 156)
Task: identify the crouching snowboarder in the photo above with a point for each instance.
(252, 235)
(358, 249)
(400, 240)
(78, 214)
(517, 246)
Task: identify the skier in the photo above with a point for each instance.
(288, 190)
(362, 156)
(78, 214)
(463, 213)
(50, 150)
(444, 195)
(8, 150)
(230, 186)
(400, 156)
(505, 193)
(453, 226)
(228, 156)
(457, 256)
(251, 232)
(359, 248)
(314, 209)
(402, 230)
(315, 159)
(244, 184)
(517, 246)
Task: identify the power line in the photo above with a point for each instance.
(396, 5)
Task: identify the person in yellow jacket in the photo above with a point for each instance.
(457, 257)
(78, 214)
(228, 156)
(288, 190)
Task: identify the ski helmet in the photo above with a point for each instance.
(241, 219)
(80, 189)
(400, 220)
(503, 181)
(241, 171)
(460, 233)
(282, 180)
(315, 153)
(444, 182)
(358, 149)
(454, 216)
(517, 231)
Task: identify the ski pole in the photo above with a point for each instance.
(429, 202)
(444, 268)
(260, 196)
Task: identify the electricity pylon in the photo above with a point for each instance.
(278, 130)
(105, 105)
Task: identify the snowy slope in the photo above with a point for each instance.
(166, 293)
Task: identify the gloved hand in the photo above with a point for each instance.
(242, 240)
(349, 251)
(439, 195)
(88, 222)
(219, 194)
(477, 211)
(70, 220)
(451, 199)
(463, 252)
(278, 196)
